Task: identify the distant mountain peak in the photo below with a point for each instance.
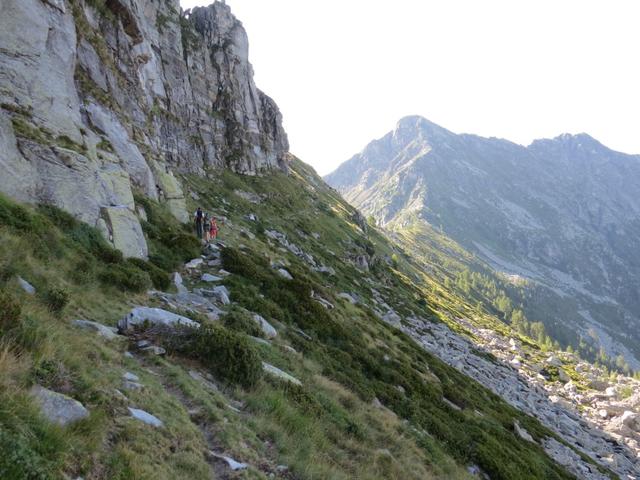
(413, 126)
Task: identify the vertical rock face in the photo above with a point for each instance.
(101, 99)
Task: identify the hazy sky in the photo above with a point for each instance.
(343, 72)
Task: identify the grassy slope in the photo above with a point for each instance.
(329, 428)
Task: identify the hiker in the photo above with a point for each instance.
(198, 220)
(207, 227)
(213, 232)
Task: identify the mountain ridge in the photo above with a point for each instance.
(519, 208)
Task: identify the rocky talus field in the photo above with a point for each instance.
(303, 343)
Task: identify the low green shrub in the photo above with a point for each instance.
(10, 310)
(240, 263)
(240, 320)
(56, 298)
(16, 216)
(21, 460)
(126, 277)
(229, 355)
(159, 277)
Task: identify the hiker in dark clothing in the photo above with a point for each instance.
(198, 218)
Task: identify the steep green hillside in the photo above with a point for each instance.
(371, 404)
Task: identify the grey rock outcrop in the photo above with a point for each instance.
(141, 316)
(95, 103)
(58, 408)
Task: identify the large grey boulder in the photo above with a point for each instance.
(58, 408)
(126, 231)
(141, 316)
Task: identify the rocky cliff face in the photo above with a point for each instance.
(104, 98)
(562, 213)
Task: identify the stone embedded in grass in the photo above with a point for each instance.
(145, 417)
(142, 316)
(285, 274)
(276, 372)
(176, 279)
(522, 433)
(109, 333)
(26, 286)
(231, 463)
(130, 381)
(348, 297)
(207, 277)
(58, 408)
(153, 350)
(131, 376)
(266, 327)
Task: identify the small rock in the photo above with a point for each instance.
(58, 408)
(102, 330)
(348, 297)
(522, 433)
(223, 273)
(26, 286)
(233, 464)
(284, 274)
(131, 377)
(145, 417)
(195, 263)
(207, 277)
(153, 350)
(266, 327)
(176, 278)
(276, 372)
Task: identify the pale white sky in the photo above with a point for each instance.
(344, 71)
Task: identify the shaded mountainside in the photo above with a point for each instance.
(99, 98)
(561, 213)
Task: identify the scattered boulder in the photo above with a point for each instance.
(131, 381)
(276, 372)
(26, 286)
(195, 263)
(522, 433)
(207, 277)
(141, 316)
(266, 327)
(108, 333)
(58, 408)
(348, 297)
(176, 278)
(284, 274)
(145, 417)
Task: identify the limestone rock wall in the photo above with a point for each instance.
(102, 98)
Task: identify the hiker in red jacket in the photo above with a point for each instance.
(213, 230)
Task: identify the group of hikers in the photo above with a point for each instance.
(206, 226)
